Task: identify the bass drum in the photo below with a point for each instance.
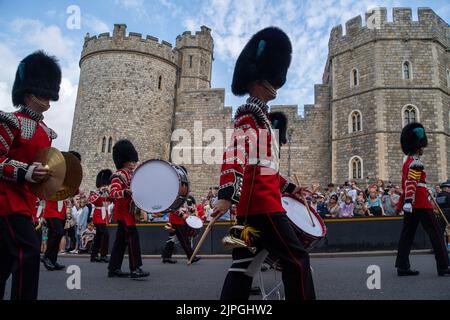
(158, 186)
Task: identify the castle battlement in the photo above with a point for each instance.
(133, 42)
(202, 39)
(428, 26)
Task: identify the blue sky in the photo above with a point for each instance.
(26, 26)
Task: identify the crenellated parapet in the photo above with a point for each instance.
(201, 39)
(428, 27)
(133, 42)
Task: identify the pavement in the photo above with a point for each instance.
(336, 278)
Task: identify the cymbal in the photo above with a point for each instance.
(72, 179)
(54, 159)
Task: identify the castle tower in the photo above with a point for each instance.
(382, 76)
(195, 59)
(126, 90)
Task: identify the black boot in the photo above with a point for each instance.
(59, 266)
(407, 272)
(139, 273)
(95, 259)
(104, 259)
(169, 260)
(444, 272)
(118, 273)
(196, 259)
(48, 264)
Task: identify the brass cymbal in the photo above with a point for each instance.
(72, 179)
(54, 159)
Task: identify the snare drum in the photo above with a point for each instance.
(158, 185)
(309, 233)
(195, 223)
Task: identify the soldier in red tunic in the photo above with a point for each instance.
(100, 200)
(125, 158)
(250, 172)
(416, 204)
(22, 134)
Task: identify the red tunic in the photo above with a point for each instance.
(253, 147)
(120, 181)
(174, 218)
(22, 135)
(55, 209)
(100, 201)
(414, 185)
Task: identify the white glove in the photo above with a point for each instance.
(407, 207)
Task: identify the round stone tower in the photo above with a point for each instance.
(126, 90)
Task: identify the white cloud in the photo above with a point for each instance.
(27, 36)
(94, 24)
(308, 24)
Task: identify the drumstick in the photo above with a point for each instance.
(306, 203)
(439, 210)
(202, 239)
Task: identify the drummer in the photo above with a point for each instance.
(178, 229)
(22, 135)
(250, 172)
(125, 158)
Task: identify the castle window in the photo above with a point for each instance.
(355, 121)
(190, 61)
(104, 144)
(159, 82)
(354, 78)
(355, 168)
(110, 145)
(406, 70)
(410, 114)
(448, 78)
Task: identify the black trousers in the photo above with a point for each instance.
(19, 256)
(101, 241)
(429, 222)
(71, 234)
(55, 233)
(126, 236)
(277, 236)
(182, 232)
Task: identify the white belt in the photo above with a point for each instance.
(420, 184)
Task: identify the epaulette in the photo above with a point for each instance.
(9, 118)
(121, 175)
(254, 110)
(50, 132)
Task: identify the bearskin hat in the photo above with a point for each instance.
(266, 56)
(279, 121)
(413, 137)
(103, 178)
(124, 151)
(38, 74)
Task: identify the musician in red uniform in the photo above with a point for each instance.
(250, 173)
(22, 134)
(416, 205)
(54, 213)
(125, 158)
(100, 200)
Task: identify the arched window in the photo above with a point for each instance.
(104, 144)
(159, 82)
(355, 168)
(110, 145)
(354, 78)
(406, 67)
(410, 114)
(355, 121)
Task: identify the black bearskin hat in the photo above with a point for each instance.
(124, 151)
(413, 137)
(37, 74)
(103, 178)
(266, 56)
(279, 121)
